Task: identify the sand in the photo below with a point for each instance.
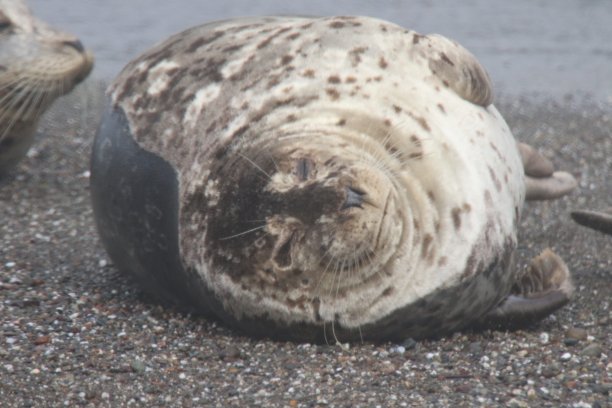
(76, 332)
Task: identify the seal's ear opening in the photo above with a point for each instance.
(135, 201)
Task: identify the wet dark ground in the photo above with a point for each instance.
(75, 332)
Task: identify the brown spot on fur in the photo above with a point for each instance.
(286, 59)
(496, 181)
(466, 207)
(334, 79)
(333, 93)
(336, 24)
(382, 63)
(387, 291)
(421, 121)
(456, 214)
(309, 73)
(233, 48)
(415, 140)
(445, 58)
(341, 122)
(416, 38)
(397, 109)
(203, 41)
(387, 122)
(293, 36)
(416, 155)
(355, 55)
(488, 198)
(445, 83)
(291, 118)
(442, 261)
(350, 79)
(441, 107)
(427, 239)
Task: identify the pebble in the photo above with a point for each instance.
(575, 334)
(592, 350)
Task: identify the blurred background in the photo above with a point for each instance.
(554, 48)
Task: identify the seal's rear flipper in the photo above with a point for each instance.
(541, 179)
(544, 287)
(597, 220)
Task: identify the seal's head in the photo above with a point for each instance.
(315, 214)
(37, 64)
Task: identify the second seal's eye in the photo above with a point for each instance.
(304, 167)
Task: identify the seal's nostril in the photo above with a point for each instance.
(354, 198)
(76, 44)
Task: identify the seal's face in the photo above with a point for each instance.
(37, 64)
(319, 217)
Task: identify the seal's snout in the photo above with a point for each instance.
(354, 198)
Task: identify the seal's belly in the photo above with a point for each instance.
(331, 170)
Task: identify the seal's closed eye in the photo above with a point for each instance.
(303, 170)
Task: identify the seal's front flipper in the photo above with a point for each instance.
(545, 287)
(541, 180)
(597, 220)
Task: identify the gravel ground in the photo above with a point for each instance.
(75, 332)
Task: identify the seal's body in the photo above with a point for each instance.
(37, 64)
(295, 174)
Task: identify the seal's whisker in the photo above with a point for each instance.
(254, 165)
(243, 233)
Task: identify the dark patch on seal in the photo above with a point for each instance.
(309, 73)
(397, 109)
(270, 38)
(496, 181)
(203, 41)
(283, 255)
(233, 48)
(341, 122)
(286, 59)
(382, 63)
(447, 60)
(355, 55)
(6, 143)
(416, 38)
(421, 121)
(456, 214)
(336, 24)
(441, 107)
(293, 36)
(334, 79)
(416, 155)
(427, 240)
(136, 209)
(209, 71)
(333, 93)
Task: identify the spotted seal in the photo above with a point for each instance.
(313, 178)
(37, 64)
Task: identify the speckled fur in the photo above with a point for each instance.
(227, 103)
